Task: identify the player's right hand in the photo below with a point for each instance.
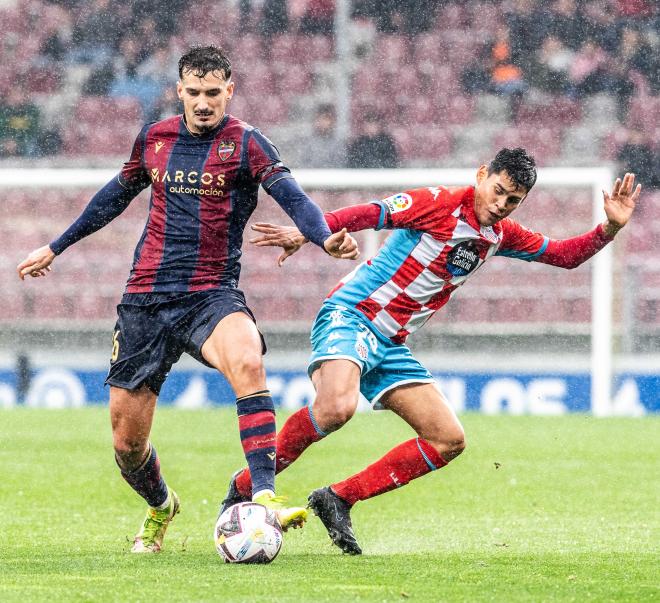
(37, 263)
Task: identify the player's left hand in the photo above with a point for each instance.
(342, 245)
(620, 203)
(289, 238)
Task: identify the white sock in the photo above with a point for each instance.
(167, 502)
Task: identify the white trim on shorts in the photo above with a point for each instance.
(380, 394)
(324, 358)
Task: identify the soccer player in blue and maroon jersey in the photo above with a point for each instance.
(205, 168)
(441, 237)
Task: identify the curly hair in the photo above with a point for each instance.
(518, 164)
(200, 60)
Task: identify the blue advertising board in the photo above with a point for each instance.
(541, 393)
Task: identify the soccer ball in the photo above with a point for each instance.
(248, 533)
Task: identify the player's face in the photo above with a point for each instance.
(495, 196)
(204, 99)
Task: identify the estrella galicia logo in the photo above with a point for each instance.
(226, 150)
(463, 258)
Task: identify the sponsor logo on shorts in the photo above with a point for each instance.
(333, 349)
(398, 202)
(337, 318)
(362, 350)
(334, 336)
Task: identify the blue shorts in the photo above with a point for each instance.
(153, 330)
(342, 333)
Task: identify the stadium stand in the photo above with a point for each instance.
(411, 71)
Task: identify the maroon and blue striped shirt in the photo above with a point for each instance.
(203, 190)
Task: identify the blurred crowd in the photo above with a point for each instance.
(58, 53)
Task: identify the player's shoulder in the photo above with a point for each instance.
(169, 125)
(447, 196)
(510, 228)
(234, 123)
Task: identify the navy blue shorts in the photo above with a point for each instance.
(154, 329)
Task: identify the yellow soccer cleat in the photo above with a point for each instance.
(288, 517)
(150, 537)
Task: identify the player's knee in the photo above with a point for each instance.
(343, 413)
(448, 443)
(331, 412)
(454, 444)
(249, 365)
(130, 452)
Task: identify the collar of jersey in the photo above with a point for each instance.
(204, 135)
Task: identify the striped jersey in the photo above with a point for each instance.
(437, 245)
(203, 191)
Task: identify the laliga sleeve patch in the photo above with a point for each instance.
(398, 202)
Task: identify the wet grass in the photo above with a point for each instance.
(537, 509)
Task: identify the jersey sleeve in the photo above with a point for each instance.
(521, 243)
(133, 176)
(417, 209)
(355, 217)
(264, 163)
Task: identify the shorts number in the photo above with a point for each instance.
(115, 347)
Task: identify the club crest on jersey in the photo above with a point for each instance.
(463, 258)
(398, 202)
(362, 350)
(226, 150)
(489, 234)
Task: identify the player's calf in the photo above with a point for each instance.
(146, 478)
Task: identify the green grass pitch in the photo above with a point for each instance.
(537, 509)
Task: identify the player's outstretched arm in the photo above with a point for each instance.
(570, 253)
(37, 263)
(340, 244)
(620, 204)
(105, 206)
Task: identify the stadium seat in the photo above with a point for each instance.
(456, 110)
(315, 49)
(390, 52)
(644, 110)
(542, 143)
(428, 50)
(44, 80)
(559, 111)
(451, 16)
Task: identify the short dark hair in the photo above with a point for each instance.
(518, 164)
(201, 60)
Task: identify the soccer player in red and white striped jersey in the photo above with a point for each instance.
(442, 236)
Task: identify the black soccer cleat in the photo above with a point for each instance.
(233, 495)
(335, 513)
